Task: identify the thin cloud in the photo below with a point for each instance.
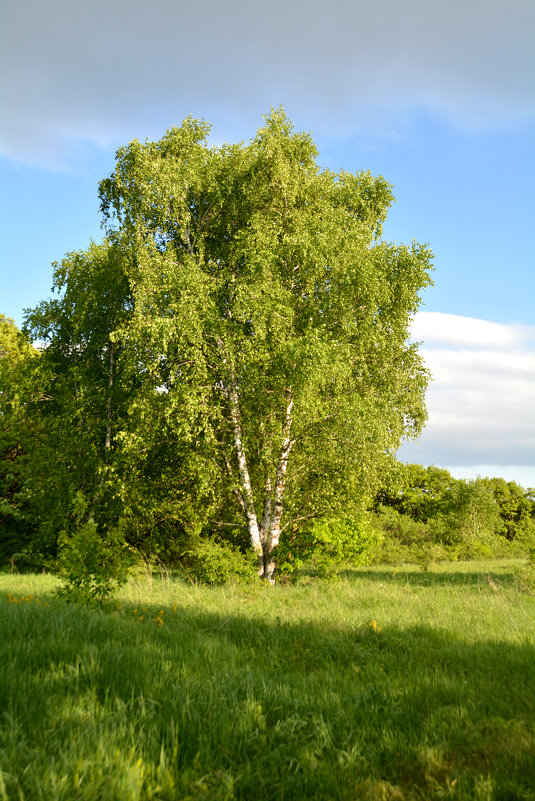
(437, 328)
(481, 401)
(106, 71)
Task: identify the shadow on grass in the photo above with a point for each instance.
(283, 710)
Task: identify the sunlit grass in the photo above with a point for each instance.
(389, 683)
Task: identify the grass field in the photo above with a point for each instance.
(383, 685)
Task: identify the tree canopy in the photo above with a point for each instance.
(16, 357)
(269, 322)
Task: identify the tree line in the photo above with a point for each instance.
(223, 382)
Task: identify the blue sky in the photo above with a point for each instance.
(439, 97)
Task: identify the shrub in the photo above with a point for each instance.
(410, 541)
(328, 544)
(212, 562)
(92, 564)
(400, 527)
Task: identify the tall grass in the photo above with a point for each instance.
(383, 685)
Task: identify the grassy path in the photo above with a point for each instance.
(383, 685)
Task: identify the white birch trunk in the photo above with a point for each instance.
(280, 486)
(243, 470)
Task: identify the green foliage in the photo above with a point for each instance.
(339, 541)
(83, 392)
(525, 574)
(91, 564)
(402, 527)
(169, 491)
(416, 491)
(517, 509)
(466, 525)
(212, 562)
(328, 544)
(406, 541)
(472, 516)
(431, 513)
(17, 391)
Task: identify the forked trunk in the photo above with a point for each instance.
(264, 538)
(280, 486)
(243, 470)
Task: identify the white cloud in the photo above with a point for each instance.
(109, 70)
(438, 328)
(481, 401)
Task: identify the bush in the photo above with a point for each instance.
(400, 527)
(219, 563)
(91, 564)
(439, 539)
(410, 541)
(328, 544)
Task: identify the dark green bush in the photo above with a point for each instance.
(91, 563)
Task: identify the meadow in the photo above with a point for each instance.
(391, 684)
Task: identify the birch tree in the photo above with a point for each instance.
(270, 319)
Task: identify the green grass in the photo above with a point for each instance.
(286, 692)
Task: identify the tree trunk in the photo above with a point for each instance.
(266, 523)
(280, 486)
(243, 470)
(264, 538)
